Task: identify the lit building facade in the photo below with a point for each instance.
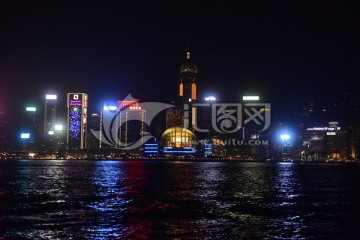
(202, 115)
(94, 124)
(188, 90)
(178, 141)
(151, 149)
(130, 123)
(187, 86)
(50, 115)
(77, 104)
(107, 115)
(33, 127)
(49, 123)
(325, 143)
(178, 138)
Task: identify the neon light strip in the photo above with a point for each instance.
(49, 96)
(31, 109)
(179, 151)
(249, 98)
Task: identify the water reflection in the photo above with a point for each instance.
(135, 177)
(107, 182)
(3, 194)
(234, 194)
(30, 190)
(208, 187)
(252, 200)
(177, 200)
(286, 186)
(161, 193)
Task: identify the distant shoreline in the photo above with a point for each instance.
(190, 160)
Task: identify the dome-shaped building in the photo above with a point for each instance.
(178, 137)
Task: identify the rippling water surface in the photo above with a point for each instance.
(64, 199)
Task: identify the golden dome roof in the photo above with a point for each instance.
(178, 137)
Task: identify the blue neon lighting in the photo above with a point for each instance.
(180, 151)
(75, 122)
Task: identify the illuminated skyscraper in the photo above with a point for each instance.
(94, 124)
(187, 86)
(179, 138)
(131, 122)
(50, 115)
(107, 115)
(77, 104)
(187, 93)
(33, 127)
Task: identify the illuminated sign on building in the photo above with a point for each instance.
(251, 98)
(31, 109)
(50, 113)
(285, 137)
(59, 127)
(110, 108)
(331, 133)
(25, 135)
(51, 96)
(324, 129)
(77, 115)
(210, 98)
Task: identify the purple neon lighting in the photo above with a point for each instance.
(75, 122)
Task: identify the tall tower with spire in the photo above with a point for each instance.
(187, 86)
(187, 89)
(182, 114)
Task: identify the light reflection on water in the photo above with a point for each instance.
(177, 200)
(108, 181)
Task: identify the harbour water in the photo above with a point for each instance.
(82, 199)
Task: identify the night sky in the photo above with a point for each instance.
(287, 52)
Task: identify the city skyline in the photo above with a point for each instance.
(30, 139)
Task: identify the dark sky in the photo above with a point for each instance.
(287, 52)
